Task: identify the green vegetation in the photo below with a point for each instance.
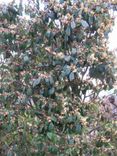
(54, 66)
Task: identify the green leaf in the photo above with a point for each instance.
(68, 31)
(71, 76)
(70, 119)
(36, 82)
(51, 126)
(84, 24)
(54, 119)
(51, 91)
(70, 140)
(27, 77)
(53, 137)
(66, 37)
(26, 59)
(53, 149)
(48, 34)
(47, 81)
(74, 51)
(73, 24)
(29, 91)
(51, 80)
(67, 58)
(90, 20)
(98, 9)
(79, 128)
(67, 70)
(50, 135)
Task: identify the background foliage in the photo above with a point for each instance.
(53, 67)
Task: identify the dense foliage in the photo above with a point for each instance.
(53, 67)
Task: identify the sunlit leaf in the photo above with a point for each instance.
(71, 76)
(36, 82)
(84, 24)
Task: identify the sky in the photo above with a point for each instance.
(113, 35)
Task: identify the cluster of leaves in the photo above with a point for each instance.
(53, 67)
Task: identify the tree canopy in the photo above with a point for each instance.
(53, 66)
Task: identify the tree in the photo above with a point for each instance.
(54, 66)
